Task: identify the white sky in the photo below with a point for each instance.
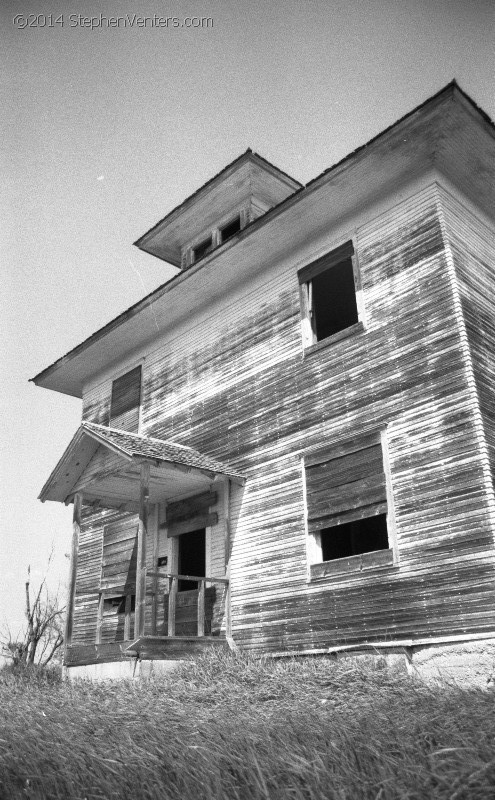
(107, 130)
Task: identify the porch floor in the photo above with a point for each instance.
(152, 648)
(173, 647)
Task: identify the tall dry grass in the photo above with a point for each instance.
(234, 728)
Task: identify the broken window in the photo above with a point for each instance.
(126, 401)
(117, 605)
(202, 249)
(347, 503)
(328, 288)
(233, 227)
(115, 618)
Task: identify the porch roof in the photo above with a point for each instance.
(104, 464)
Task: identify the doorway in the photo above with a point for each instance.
(192, 557)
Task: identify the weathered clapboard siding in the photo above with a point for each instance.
(240, 388)
(472, 244)
(104, 463)
(96, 407)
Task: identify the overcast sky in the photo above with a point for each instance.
(106, 130)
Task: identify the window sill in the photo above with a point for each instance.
(352, 330)
(353, 564)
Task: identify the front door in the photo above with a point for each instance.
(192, 557)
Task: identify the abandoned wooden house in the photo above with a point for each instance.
(289, 447)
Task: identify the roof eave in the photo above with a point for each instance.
(452, 89)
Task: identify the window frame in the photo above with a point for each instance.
(318, 569)
(215, 232)
(348, 248)
(209, 241)
(108, 595)
(227, 224)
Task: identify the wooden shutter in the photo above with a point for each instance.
(118, 571)
(336, 256)
(345, 483)
(126, 399)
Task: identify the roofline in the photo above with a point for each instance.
(451, 87)
(248, 153)
(88, 429)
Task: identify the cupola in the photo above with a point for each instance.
(217, 212)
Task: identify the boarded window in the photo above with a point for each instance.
(347, 498)
(126, 400)
(119, 558)
(330, 290)
(230, 229)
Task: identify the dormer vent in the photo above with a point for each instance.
(229, 230)
(202, 249)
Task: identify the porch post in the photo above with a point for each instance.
(228, 609)
(141, 553)
(159, 508)
(71, 595)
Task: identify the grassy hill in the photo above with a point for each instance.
(235, 728)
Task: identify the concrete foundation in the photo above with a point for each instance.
(465, 663)
(130, 669)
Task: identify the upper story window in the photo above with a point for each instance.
(126, 401)
(329, 288)
(349, 506)
(202, 248)
(233, 227)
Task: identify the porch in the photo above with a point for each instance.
(154, 597)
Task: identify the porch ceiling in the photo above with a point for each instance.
(104, 464)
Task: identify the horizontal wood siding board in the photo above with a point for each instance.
(344, 450)
(120, 568)
(353, 496)
(379, 558)
(119, 556)
(191, 506)
(120, 551)
(346, 469)
(126, 422)
(350, 492)
(317, 523)
(192, 524)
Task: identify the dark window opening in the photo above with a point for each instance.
(202, 249)
(353, 538)
(116, 605)
(125, 402)
(333, 300)
(231, 229)
(192, 558)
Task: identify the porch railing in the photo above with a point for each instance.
(173, 587)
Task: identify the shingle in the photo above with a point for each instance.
(135, 444)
